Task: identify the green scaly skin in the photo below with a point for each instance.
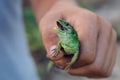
(68, 40)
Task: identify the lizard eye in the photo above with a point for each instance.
(60, 26)
(67, 24)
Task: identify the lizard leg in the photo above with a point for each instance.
(73, 60)
(56, 50)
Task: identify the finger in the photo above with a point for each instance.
(110, 57)
(110, 67)
(111, 49)
(95, 68)
(49, 36)
(63, 61)
(113, 59)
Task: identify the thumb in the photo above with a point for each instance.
(50, 41)
(49, 38)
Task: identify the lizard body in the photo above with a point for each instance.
(68, 41)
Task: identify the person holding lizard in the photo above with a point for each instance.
(96, 35)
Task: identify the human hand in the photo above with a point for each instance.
(96, 35)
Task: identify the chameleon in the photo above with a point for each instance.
(68, 42)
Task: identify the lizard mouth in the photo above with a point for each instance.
(60, 26)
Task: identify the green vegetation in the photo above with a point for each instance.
(35, 42)
(33, 35)
(118, 32)
(88, 7)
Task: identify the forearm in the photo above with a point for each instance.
(40, 7)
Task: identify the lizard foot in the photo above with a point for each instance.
(55, 52)
(68, 67)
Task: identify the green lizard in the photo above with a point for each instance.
(68, 41)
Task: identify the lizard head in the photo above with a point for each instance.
(63, 27)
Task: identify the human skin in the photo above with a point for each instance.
(96, 35)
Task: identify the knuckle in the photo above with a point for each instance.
(99, 71)
(76, 22)
(114, 34)
(109, 28)
(90, 60)
(105, 75)
(45, 20)
(86, 60)
(88, 57)
(96, 68)
(42, 21)
(88, 54)
(109, 24)
(70, 73)
(74, 74)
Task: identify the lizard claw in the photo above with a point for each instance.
(54, 53)
(68, 67)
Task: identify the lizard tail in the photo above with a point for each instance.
(50, 66)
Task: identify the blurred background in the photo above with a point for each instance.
(109, 9)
